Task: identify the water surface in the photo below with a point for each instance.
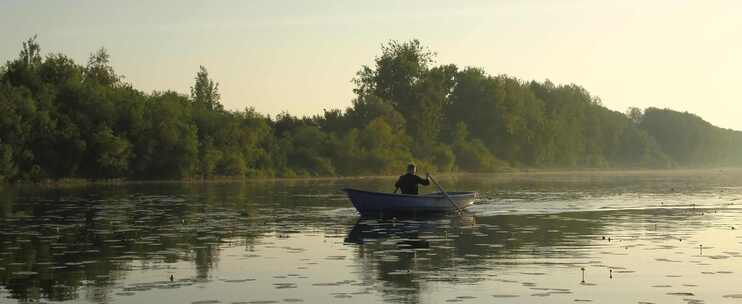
(655, 237)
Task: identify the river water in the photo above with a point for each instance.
(600, 237)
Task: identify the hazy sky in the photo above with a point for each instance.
(299, 56)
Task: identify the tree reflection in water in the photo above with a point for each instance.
(54, 247)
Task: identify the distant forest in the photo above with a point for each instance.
(60, 119)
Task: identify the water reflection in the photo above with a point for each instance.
(409, 254)
(64, 245)
(406, 253)
(301, 240)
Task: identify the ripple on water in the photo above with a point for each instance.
(238, 280)
(680, 294)
(342, 296)
(284, 285)
(126, 293)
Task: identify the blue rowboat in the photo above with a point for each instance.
(367, 202)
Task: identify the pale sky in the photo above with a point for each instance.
(300, 56)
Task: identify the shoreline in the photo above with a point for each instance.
(77, 182)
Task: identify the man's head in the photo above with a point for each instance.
(411, 168)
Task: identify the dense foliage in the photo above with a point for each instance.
(61, 119)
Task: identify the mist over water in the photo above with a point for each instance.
(658, 237)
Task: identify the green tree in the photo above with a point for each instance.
(99, 69)
(635, 114)
(168, 147)
(61, 119)
(205, 92)
(31, 52)
(386, 150)
(111, 154)
(402, 77)
(8, 168)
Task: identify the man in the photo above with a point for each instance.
(408, 182)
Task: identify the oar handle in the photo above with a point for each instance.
(444, 192)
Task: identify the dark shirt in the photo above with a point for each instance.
(408, 183)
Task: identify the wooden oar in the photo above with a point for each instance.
(444, 193)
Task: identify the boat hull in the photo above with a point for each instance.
(367, 202)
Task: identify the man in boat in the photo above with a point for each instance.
(408, 182)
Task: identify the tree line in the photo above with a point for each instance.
(61, 119)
